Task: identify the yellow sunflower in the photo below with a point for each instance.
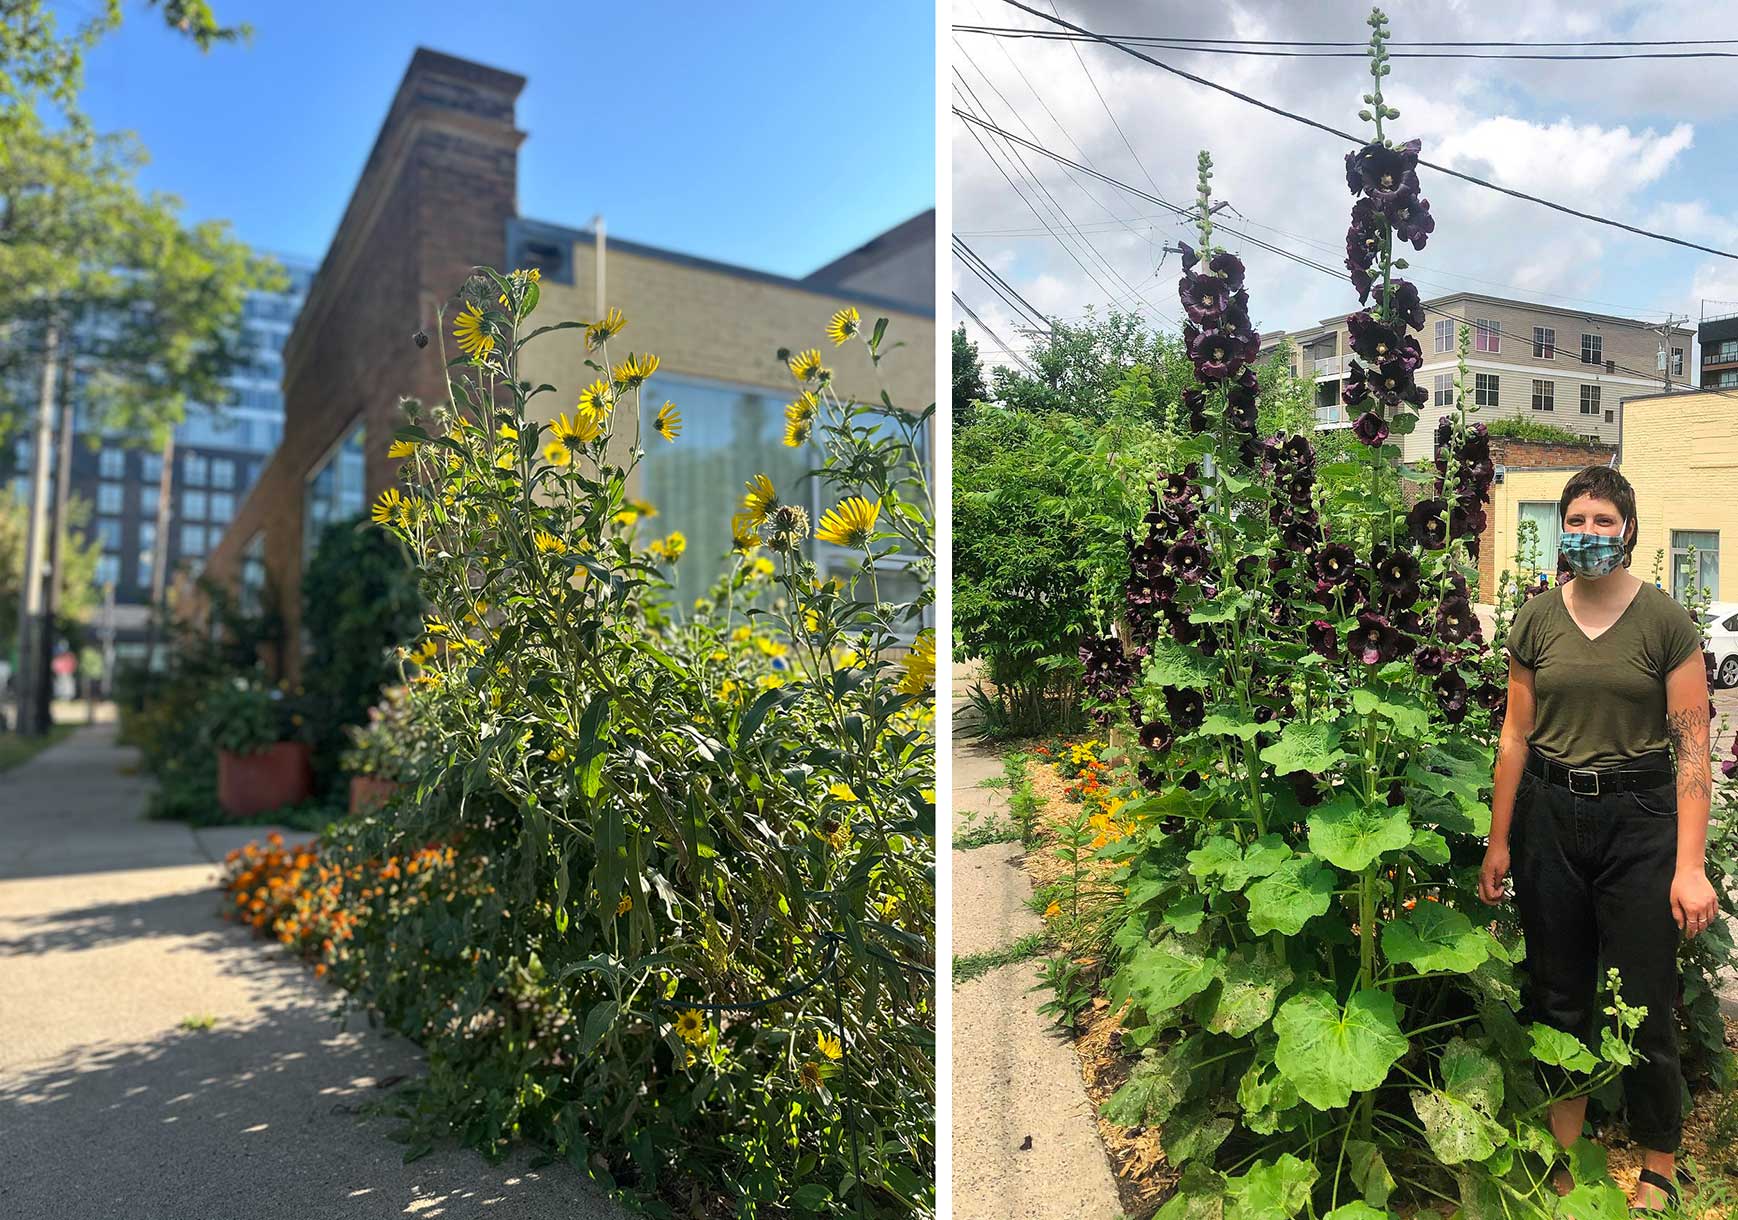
(797, 433)
(625, 905)
(760, 500)
(670, 548)
(804, 408)
(829, 1046)
(810, 1074)
(845, 323)
(920, 665)
(635, 369)
(390, 507)
(548, 543)
(806, 366)
(401, 449)
(669, 422)
(468, 330)
(691, 1027)
(743, 539)
(850, 524)
(584, 427)
(598, 332)
(556, 452)
(596, 401)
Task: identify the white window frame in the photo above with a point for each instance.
(1544, 343)
(1548, 397)
(1590, 404)
(1487, 389)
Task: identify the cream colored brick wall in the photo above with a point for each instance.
(1520, 486)
(709, 324)
(1681, 455)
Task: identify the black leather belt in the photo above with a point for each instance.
(1595, 781)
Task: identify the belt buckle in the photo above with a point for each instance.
(1577, 791)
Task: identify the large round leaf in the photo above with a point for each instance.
(1266, 1097)
(1473, 1076)
(1160, 977)
(1194, 1133)
(1296, 892)
(1434, 937)
(1350, 834)
(1249, 984)
(1271, 1189)
(1219, 857)
(1156, 1087)
(1455, 1131)
(1357, 1209)
(1565, 1050)
(1329, 1053)
(1305, 745)
(1370, 1171)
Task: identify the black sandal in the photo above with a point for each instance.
(1658, 1180)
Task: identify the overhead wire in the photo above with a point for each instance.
(994, 337)
(1220, 47)
(1416, 42)
(1000, 286)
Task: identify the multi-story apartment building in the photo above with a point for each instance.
(1718, 338)
(1528, 361)
(219, 450)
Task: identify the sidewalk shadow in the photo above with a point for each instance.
(266, 1121)
(192, 916)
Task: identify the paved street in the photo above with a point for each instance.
(109, 941)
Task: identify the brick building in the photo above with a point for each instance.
(1681, 453)
(437, 196)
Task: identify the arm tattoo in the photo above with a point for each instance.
(1689, 738)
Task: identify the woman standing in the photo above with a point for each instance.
(1601, 795)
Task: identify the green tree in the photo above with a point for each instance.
(1078, 365)
(968, 377)
(78, 591)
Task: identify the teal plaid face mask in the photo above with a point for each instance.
(1592, 554)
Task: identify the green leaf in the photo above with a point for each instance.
(1265, 1096)
(1160, 977)
(1222, 857)
(1370, 1172)
(1174, 664)
(1406, 712)
(589, 757)
(1594, 1201)
(1186, 913)
(1200, 1195)
(1455, 1131)
(1473, 1076)
(1251, 981)
(1271, 1189)
(1329, 1053)
(1263, 857)
(1219, 724)
(1296, 892)
(1155, 1088)
(1357, 1209)
(1565, 1050)
(1305, 746)
(1434, 937)
(597, 1023)
(1587, 1160)
(1352, 835)
(1194, 1133)
(1429, 846)
(1612, 1049)
(812, 1196)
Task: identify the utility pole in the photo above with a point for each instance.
(57, 521)
(32, 627)
(1665, 356)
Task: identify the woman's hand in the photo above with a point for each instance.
(1496, 867)
(1694, 905)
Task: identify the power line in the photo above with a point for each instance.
(1220, 47)
(994, 337)
(1420, 42)
(1312, 264)
(1000, 286)
(1344, 135)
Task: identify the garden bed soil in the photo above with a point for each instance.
(1144, 1180)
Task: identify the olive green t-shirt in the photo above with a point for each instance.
(1602, 702)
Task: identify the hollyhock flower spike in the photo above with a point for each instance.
(1370, 428)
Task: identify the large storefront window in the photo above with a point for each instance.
(335, 491)
(1695, 562)
(730, 433)
(1542, 555)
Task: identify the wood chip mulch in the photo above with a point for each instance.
(1144, 1179)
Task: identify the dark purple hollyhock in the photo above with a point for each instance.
(1236, 312)
(1455, 620)
(1299, 488)
(1218, 355)
(1410, 215)
(1337, 563)
(1444, 432)
(1208, 644)
(1409, 622)
(1182, 485)
(1144, 556)
(1157, 735)
(1354, 172)
(1409, 353)
(1381, 168)
(1300, 534)
(1396, 794)
(1185, 707)
(1451, 695)
(1374, 640)
(1375, 341)
(1246, 572)
(1304, 786)
(1426, 524)
(1405, 304)
(1182, 630)
(1370, 428)
(1430, 660)
(1477, 443)
(1188, 780)
(1323, 638)
(1398, 573)
(1457, 582)
(1393, 384)
(1204, 297)
(1299, 451)
(1464, 522)
(1228, 265)
(1150, 779)
(1252, 451)
(1190, 257)
(1490, 695)
(1355, 390)
(1195, 402)
(1187, 560)
(1240, 414)
(1729, 767)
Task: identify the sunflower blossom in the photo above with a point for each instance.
(669, 422)
(548, 543)
(401, 449)
(635, 370)
(919, 665)
(760, 500)
(797, 433)
(585, 427)
(556, 453)
(670, 548)
(806, 366)
(850, 524)
(829, 1046)
(468, 330)
(389, 507)
(596, 401)
(691, 1027)
(743, 539)
(845, 324)
(612, 324)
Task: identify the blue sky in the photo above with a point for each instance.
(773, 135)
(1645, 142)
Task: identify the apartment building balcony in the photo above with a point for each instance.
(1330, 366)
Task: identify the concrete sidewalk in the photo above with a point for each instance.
(109, 940)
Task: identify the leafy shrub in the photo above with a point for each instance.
(698, 956)
(244, 716)
(1327, 1014)
(391, 745)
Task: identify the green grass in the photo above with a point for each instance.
(972, 965)
(201, 1022)
(15, 749)
(992, 831)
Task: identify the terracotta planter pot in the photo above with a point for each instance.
(370, 792)
(276, 776)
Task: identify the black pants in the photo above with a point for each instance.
(1593, 880)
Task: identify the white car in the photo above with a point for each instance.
(1721, 622)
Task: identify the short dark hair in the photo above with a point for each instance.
(1603, 483)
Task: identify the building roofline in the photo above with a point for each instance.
(1687, 390)
(1339, 320)
(906, 233)
(589, 236)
